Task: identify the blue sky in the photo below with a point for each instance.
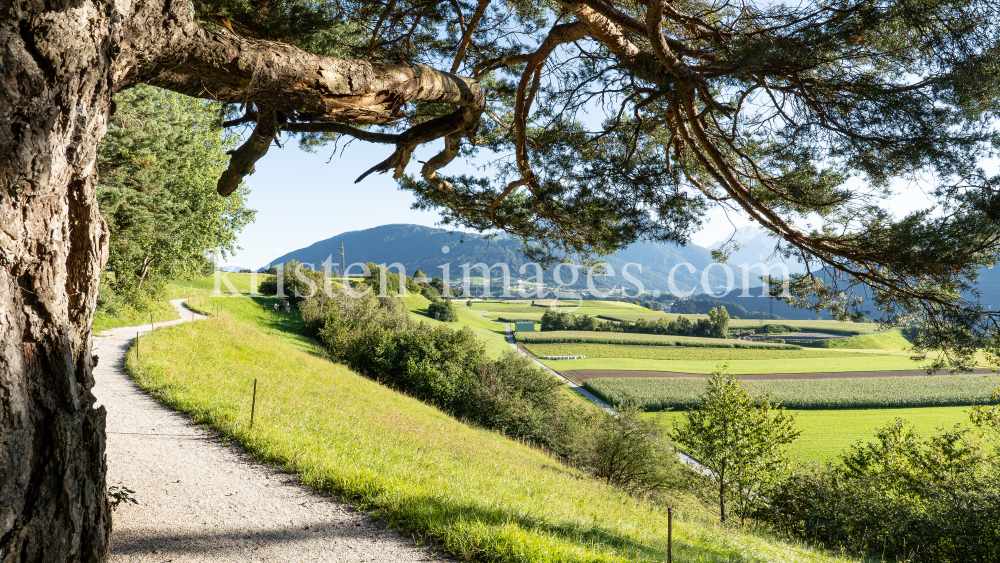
(301, 199)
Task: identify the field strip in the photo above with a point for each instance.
(202, 500)
(581, 375)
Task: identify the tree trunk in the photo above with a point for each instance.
(60, 63)
(55, 98)
(722, 496)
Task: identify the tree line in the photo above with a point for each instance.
(715, 326)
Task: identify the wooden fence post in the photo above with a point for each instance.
(670, 534)
(253, 403)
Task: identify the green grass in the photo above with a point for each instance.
(587, 304)
(161, 311)
(827, 433)
(887, 340)
(863, 393)
(164, 311)
(205, 285)
(593, 351)
(632, 317)
(260, 312)
(493, 307)
(514, 317)
(574, 336)
(490, 332)
(477, 495)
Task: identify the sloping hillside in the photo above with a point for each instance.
(474, 493)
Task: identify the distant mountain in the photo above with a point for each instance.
(423, 248)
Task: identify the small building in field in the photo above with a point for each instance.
(524, 326)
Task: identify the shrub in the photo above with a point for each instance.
(450, 369)
(627, 451)
(298, 282)
(901, 497)
(775, 329)
(442, 310)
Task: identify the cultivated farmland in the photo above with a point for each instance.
(865, 362)
(686, 352)
(575, 336)
(861, 393)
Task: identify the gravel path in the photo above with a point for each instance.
(202, 500)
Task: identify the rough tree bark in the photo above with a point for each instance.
(61, 62)
(54, 103)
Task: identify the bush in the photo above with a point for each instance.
(902, 497)
(298, 282)
(771, 328)
(627, 451)
(442, 310)
(429, 292)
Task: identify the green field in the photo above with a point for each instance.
(863, 393)
(593, 351)
(497, 308)
(260, 312)
(205, 285)
(475, 494)
(620, 306)
(490, 332)
(514, 317)
(807, 326)
(887, 340)
(859, 362)
(618, 338)
(632, 317)
(827, 433)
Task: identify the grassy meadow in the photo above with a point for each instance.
(491, 332)
(161, 311)
(828, 433)
(834, 327)
(475, 494)
(885, 340)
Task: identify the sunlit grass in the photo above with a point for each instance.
(631, 339)
(160, 311)
(827, 433)
(886, 340)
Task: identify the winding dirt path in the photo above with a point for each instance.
(201, 500)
